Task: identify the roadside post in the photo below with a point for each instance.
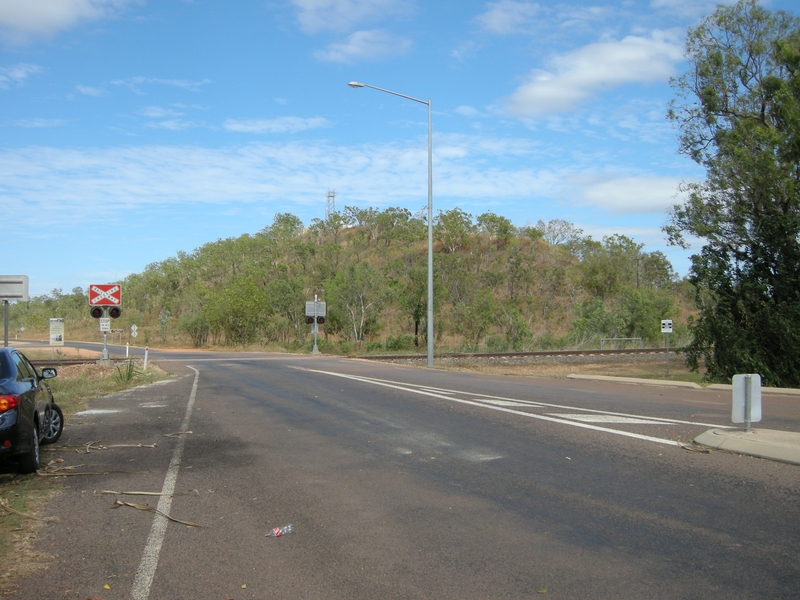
(134, 333)
(105, 302)
(12, 288)
(666, 329)
(746, 400)
(316, 312)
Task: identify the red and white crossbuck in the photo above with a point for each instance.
(105, 294)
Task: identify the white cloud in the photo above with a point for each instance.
(156, 112)
(17, 74)
(87, 90)
(21, 20)
(689, 8)
(279, 125)
(508, 16)
(365, 45)
(172, 124)
(94, 187)
(464, 50)
(626, 195)
(135, 83)
(580, 74)
(467, 111)
(38, 122)
(343, 15)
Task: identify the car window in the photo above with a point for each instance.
(23, 368)
(30, 366)
(4, 370)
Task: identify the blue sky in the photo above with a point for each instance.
(134, 129)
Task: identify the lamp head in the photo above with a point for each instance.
(356, 84)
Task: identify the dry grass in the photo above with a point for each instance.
(646, 366)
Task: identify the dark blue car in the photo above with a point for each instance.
(28, 415)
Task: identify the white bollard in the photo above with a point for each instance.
(146, 349)
(127, 349)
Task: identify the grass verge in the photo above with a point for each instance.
(645, 366)
(23, 498)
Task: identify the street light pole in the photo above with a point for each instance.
(358, 84)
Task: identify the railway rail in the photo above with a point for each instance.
(541, 353)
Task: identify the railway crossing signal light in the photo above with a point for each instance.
(321, 320)
(98, 311)
(310, 320)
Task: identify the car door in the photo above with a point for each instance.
(28, 388)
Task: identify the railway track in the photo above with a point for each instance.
(540, 353)
(66, 362)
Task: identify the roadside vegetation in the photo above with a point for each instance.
(497, 288)
(23, 497)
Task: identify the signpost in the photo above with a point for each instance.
(746, 400)
(315, 315)
(666, 329)
(105, 300)
(13, 288)
(134, 333)
(56, 332)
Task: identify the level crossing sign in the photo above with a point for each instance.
(316, 309)
(105, 294)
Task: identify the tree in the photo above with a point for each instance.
(357, 292)
(559, 232)
(452, 228)
(499, 229)
(738, 110)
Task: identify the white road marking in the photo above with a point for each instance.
(96, 411)
(507, 402)
(606, 419)
(426, 391)
(152, 550)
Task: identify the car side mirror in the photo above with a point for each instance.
(49, 373)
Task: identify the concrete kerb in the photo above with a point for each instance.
(782, 446)
(682, 384)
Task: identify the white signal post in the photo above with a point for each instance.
(105, 295)
(666, 329)
(316, 310)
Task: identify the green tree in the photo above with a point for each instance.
(238, 310)
(357, 293)
(738, 110)
(499, 229)
(452, 228)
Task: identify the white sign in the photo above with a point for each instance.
(666, 326)
(744, 385)
(14, 287)
(134, 331)
(320, 310)
(56, 332)
(105, 324)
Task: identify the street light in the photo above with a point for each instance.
(358, 84)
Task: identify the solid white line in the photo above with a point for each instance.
(403, 387)
(532, 403)
(152, 549)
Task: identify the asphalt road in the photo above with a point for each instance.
(404, 482)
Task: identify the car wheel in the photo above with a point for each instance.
(53, 425)
(29, 463)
